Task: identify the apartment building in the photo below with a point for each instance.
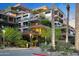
(27, 18)
(6, 20)
(23, 21)
(21, 14)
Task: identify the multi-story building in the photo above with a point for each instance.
(21, 14)
(23, 21)
(6, 21)
(27, 18)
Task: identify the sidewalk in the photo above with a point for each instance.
(16, 48)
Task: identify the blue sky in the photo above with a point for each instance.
(62, 6)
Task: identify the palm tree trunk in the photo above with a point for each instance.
(53, 34)
(53, 29)
(67, 28)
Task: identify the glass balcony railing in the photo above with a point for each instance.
(24, 26)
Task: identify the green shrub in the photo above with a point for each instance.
(58, 33)
(45, 47)
(64, 47)
(2, 46)
(11, 35)
(21, 43)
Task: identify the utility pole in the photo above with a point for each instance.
(67, 28)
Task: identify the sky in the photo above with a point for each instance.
(61, 6)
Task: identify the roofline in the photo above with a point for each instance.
(8, 15)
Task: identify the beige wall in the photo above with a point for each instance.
(77, 28)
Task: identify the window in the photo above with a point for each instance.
(0, 16)
(55, 12)
(47, 12)
(36, 16)
(19, 24)
(25, 15)
(56, 19)
(25, 23)
(17, 10)
(61, 15)
(55, 24)
(19, 29)
(58, 24)
(11, 19)
(18, 18)
(25, 30)
(5, 17)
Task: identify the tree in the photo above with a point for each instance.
(53, 28)
(42, 16)
(12, 34)
(46, 33)
(67, 32)
(58, 33)
(46, 22)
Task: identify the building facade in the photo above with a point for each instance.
(27, 18)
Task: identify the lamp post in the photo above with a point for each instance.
(3, 31)
(67, 29)
(30, 40)
(45, 41)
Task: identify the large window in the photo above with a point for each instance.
(25, 30)
(18, 18)
(19, 29)
(11, 19)
(3, 17)
(55, 12)
(25, 15)
(58, 24)
(25, 23)
(47, 12)
(61, 15)
(0, 15)
(19, 24)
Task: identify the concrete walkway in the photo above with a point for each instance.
(19, 51)
(16, 48)
(27, 52)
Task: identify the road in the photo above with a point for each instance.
(19, 52)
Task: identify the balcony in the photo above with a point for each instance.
(24, 26)
(34, 18)
(24, 19)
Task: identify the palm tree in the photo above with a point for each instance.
(68, 9)
(53, 28)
